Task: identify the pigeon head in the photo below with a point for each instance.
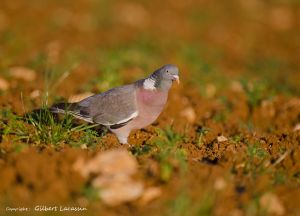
(162, 78)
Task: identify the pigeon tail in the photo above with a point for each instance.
(63, 107)
(73, 109)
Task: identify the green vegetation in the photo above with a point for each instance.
(168, 154)
(201, 132)
(42, 128)
(183, 205)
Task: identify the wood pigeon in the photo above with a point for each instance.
(125, 108)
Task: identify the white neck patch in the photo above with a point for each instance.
(149, 84)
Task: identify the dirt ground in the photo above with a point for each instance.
(235, 117)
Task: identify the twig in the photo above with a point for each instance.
(281, 158)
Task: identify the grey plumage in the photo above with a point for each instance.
(102, 108)
(128, 107)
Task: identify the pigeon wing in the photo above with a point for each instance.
(115, 107)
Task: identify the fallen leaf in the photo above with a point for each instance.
(272, 204)
(23, 73)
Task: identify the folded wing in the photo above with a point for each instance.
(113, 108)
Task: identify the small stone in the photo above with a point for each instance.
(189, 113)
(4, 85)
(271, 203)
(150, 194)
(23, 73)
(78, 97)
(222, 138)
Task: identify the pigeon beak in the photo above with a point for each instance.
(176, 77)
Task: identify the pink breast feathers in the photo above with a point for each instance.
(152, 98)
(150, 104)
